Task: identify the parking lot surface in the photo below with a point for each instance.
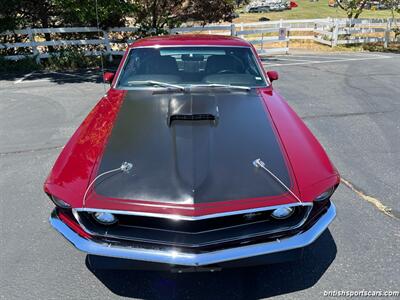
(351, 102)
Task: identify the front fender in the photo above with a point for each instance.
(314, 172)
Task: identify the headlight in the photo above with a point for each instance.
(325, 195)
(58, 202)
(282, 212)
(105, 218)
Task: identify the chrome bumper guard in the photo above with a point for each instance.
(189, 259)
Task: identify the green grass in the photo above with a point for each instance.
(310, 10)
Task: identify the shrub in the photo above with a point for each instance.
(27, 64)
(71, 59)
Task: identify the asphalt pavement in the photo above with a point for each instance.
(351, 102)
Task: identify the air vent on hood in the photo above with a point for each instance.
(189, 107)
(194, 117)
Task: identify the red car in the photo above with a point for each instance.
(190, 160)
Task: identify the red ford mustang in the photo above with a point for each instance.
(192, 159)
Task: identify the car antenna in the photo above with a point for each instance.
(258, 163)
(101, 54)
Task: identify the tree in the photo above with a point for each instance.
(151, 16)
(8, 15)
(15, 14)
(156, 16)
(242, 2)
(110, 13)
(394, 6)
(353, 8)
(209, 11)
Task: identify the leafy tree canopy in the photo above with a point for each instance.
(353, 8)
(158, 15)
(111, 13)
(149, 15)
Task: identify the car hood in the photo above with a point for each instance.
(191, 148)
(186, 166)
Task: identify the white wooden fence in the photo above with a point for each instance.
(356, 31)
(38, 48)
(268, 37)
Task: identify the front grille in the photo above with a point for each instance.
(202, 234)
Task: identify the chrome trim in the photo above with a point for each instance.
(174, 257)
(78, 219)
(121, 69)
(261, 68)
(59, 202)
(272, 231)
(190, 218)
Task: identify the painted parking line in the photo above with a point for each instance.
(293, 58)
(325, 61)
(23, 78)
(311, 57)
(331, 56)
(33, 81)
(68, 74)
(290, 59)
(39, 80)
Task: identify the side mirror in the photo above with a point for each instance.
(108, 77)
(272, 75)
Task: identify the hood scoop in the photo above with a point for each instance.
(192, 108)
(192, 117)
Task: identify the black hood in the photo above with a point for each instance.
(192, 148)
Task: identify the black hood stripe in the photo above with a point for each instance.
(192, 161)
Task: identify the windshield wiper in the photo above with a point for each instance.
(228, 86)
(182, 88)
(159, 83)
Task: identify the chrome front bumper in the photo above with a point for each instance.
(189, 259)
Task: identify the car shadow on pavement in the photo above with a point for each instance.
(59, 77)
(243, 283)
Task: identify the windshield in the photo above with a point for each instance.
(191, 66)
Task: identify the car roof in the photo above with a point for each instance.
(190, 39)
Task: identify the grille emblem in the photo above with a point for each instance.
(251, 216)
